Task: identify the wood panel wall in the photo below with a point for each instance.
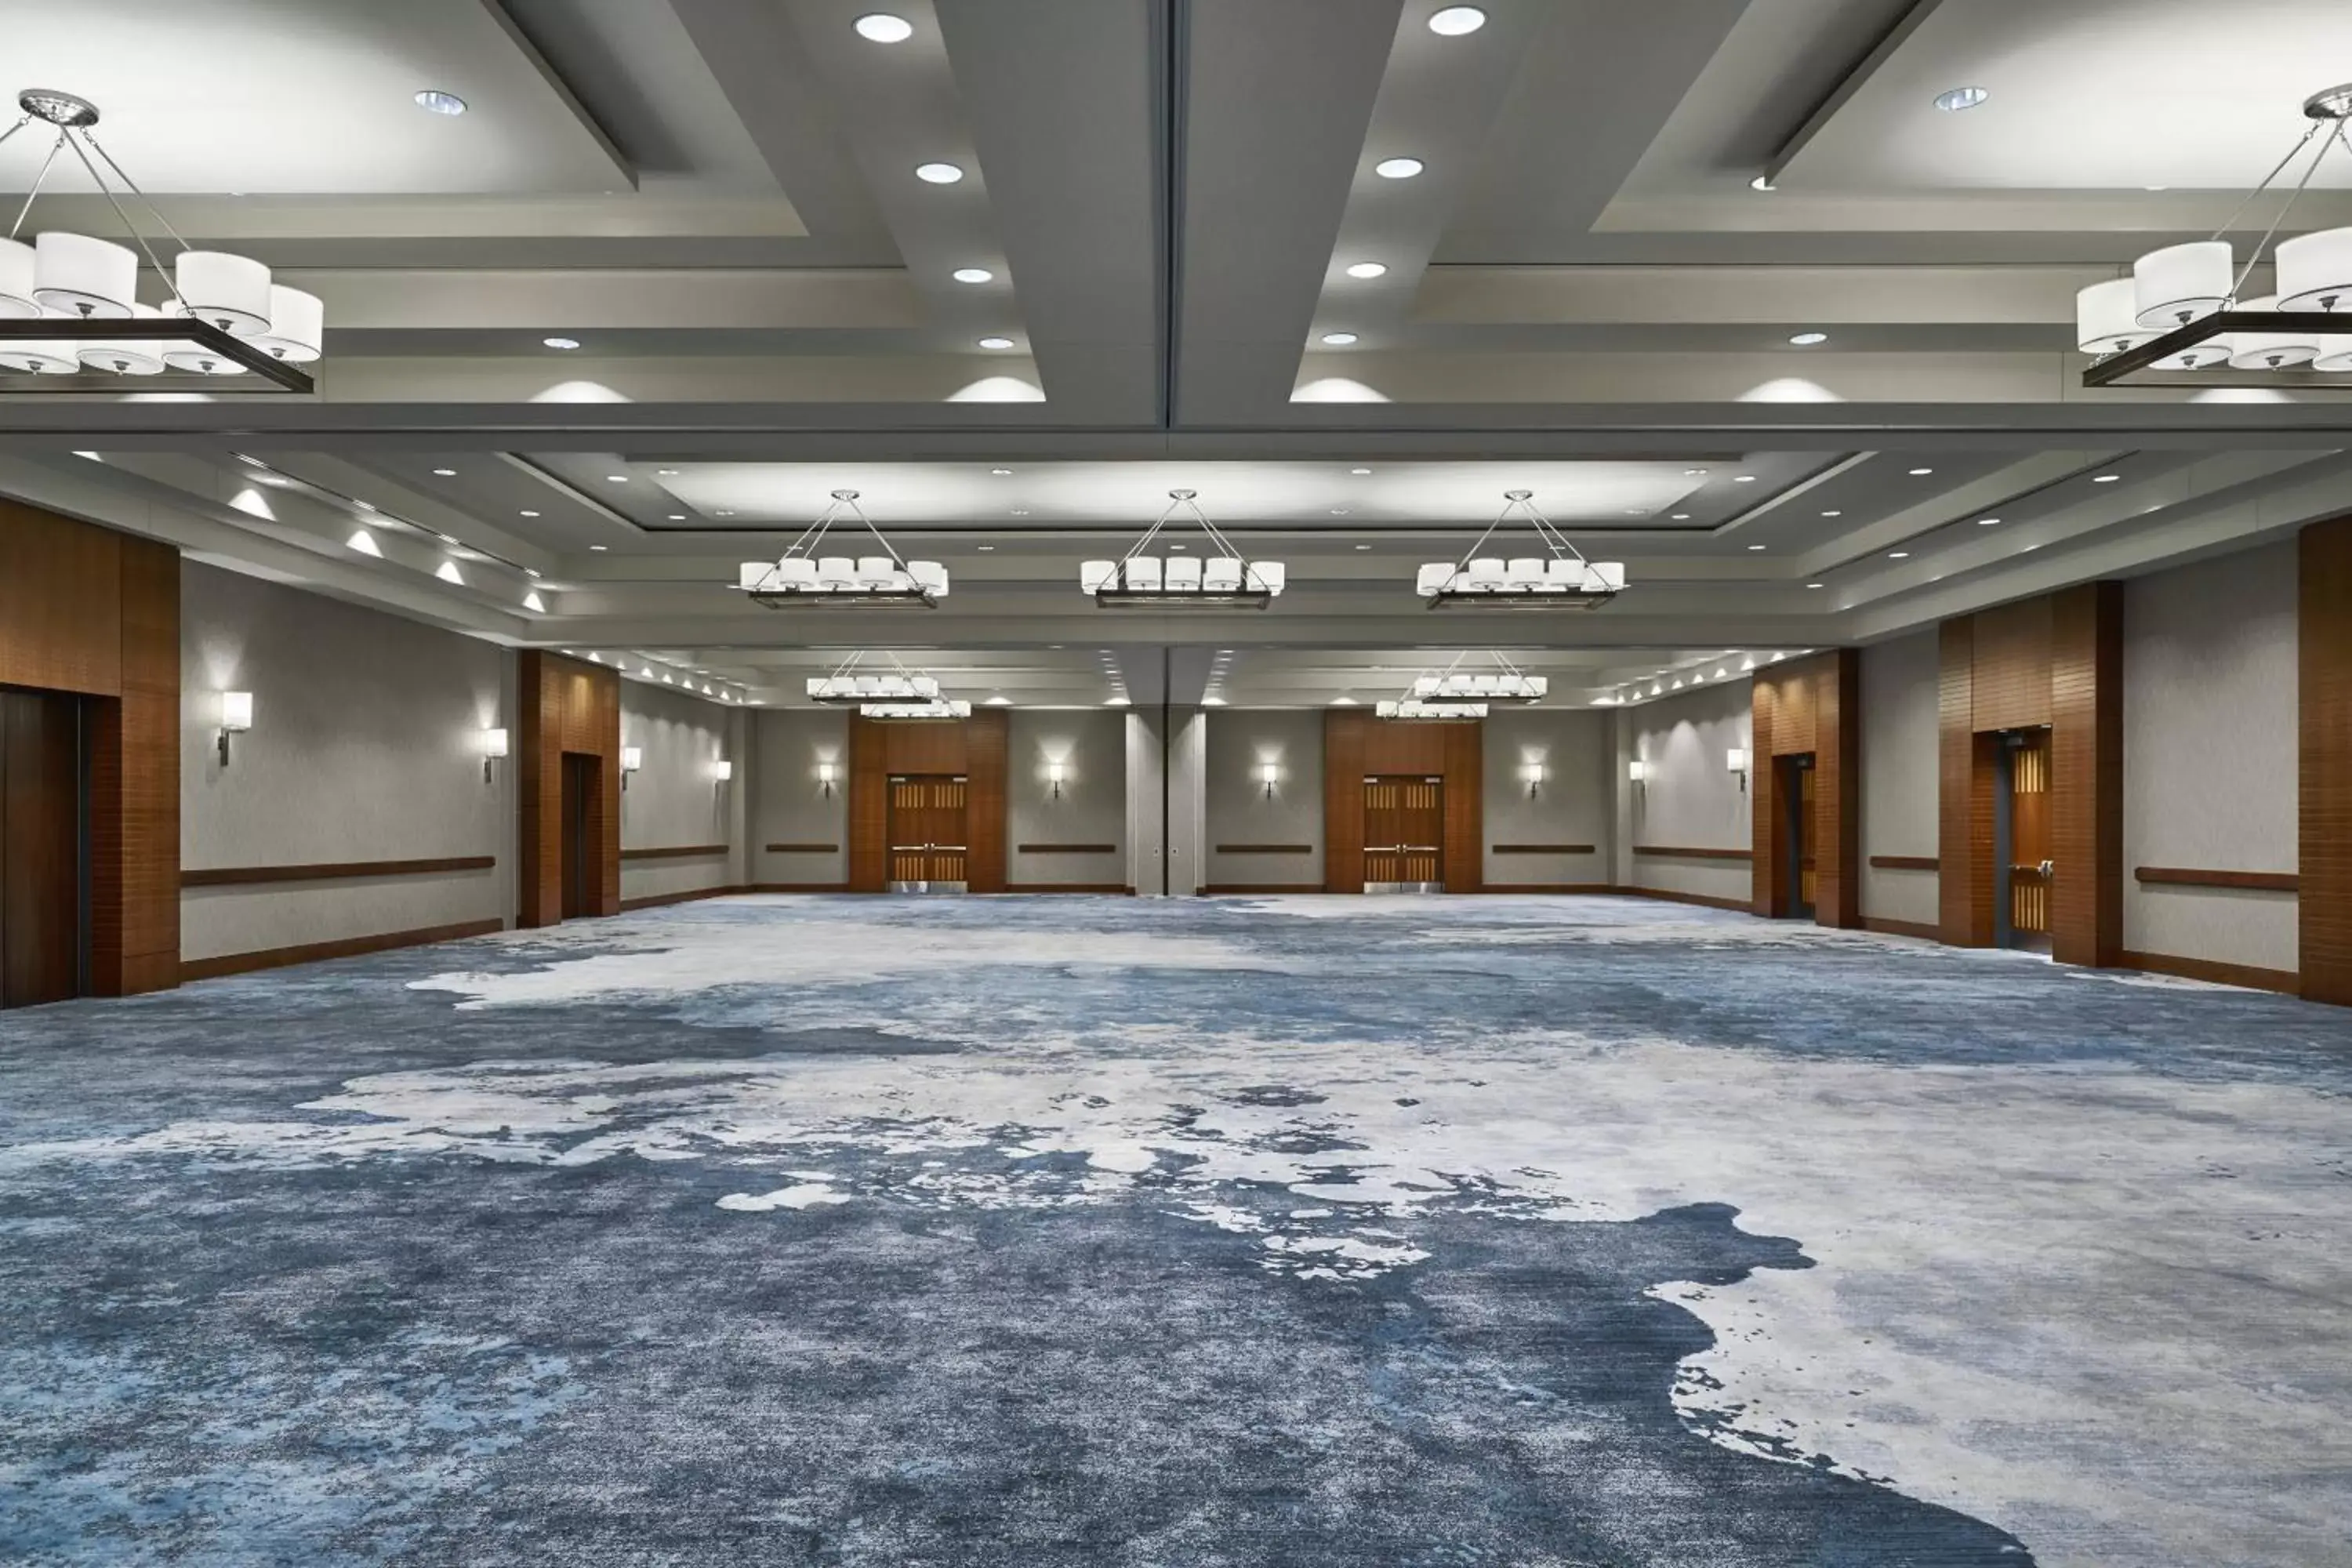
(86, 610)
(567, 705)
(1356, 744)
(2055, 660)
(2325, 763)
(980, 748)
(1809, 706)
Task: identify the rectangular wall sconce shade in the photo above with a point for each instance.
(236, 710)
(494, 742)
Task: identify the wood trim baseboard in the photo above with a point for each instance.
(1542, 848)
(1069, 887)
(1741, 905)
(798, 888)
(1067, 848)
(1671, 852)
(1927, 931)
(1906, 863)
(2259, 881)
(652, 899)
(1547, 887)
(2251, 978)
(676, 852)
(802, 849)
(332, 871)
(316, 952)
(1245, 889)
(1265, 850)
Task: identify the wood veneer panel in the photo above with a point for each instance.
(1464, 761)
(2086, 769)
(2323, 847)
(987, 737)
(567, 706)
(149, 783)
(1407, 746)
(2256, 881)
(1964, 795)
(2013, 666)
(40, 847)
(60, 602)
(336, 871)
(1344, 738)
(2213, 973)
(930, 745)
(870, 805)
(1836, 703)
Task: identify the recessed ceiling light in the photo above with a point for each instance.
(665, 473)
(2104, 478)
(616, 478)
(527, 514)
(1368, 270)
(1743, 479)
(1680, 516)
(1363, 547)
(939, 173)
(448, 572)
(1117, 702)
(1398, 168)
(996, 342)
(1021, 512)
(726, 511)
(1987, 522)
(1816, 585)
(1694, 473)
(1339, 339)
(1807, 340)
(1213, 702)
(1762, 182)
(986, 548)
(447, 473)
(1359, 470)
(433, 100)
(531, 572)
(678, 517)
(999, 700)
(1454, 21)
(1343, 702)
(1921, 473)
(561, 343)
(600, 547)
(1898, 555)
(1832, 514)
(882, 27)
(1754, 547)
(974, 275)
(1000, 473)
(1957, 99)
(365, 542)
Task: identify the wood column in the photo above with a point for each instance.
(870, 805)
(2325, 762)
(1965, 785)
(2087, 765)
(567, 706)
(987, 745)
(1465, 767)
(1809, 706)
(1343, 799)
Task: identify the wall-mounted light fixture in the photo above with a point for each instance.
(1271, 774)
(494, 747)
(723, 770)
(235, 718)
(1637, 772)
(1735, 761)
(1054, 773)
(825, 778)
(1534, 773)
(631, 759)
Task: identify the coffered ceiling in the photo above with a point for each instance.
(1205, 281)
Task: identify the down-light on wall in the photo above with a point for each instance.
(235, 718)
(494, 748)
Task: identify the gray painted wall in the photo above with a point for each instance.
(790, 803)
(1690, 801)
(672, 800)
(2211, 741)
(1236, 808)
(1571, 806)
(365, 745)
(1900, 779)
(1091, 745)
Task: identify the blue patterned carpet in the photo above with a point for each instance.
(1550, 1232)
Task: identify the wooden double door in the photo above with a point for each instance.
(43, 847)
(1405, 834)
(929, 833)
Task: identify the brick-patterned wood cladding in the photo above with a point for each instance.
(1809, 705)
(568, 705)
(2325, 766)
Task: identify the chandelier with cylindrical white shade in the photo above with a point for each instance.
(69, 302)
(2190, 307)
(1557, 578)
(1143, 579)
(806, 577)
(884, 688)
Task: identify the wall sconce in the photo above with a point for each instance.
(494, 747)
(1054, 773)
(1637, 772)
(826, 776)
(723, 770)
(1271, 774)
(1534, 773)
(235, 718)
(1735, 761)
(631, 759)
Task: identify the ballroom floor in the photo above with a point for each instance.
(1540, 1232)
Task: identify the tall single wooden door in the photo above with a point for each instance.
(44, 849)
(2028, 869)
(930, 841)
(1404, 835)
(580, 834)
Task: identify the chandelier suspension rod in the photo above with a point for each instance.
(1551, 537)
(170, 286)
(13, 129)
(37, 181)
(2269, 234)
(144, 199)
(2256, 194)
